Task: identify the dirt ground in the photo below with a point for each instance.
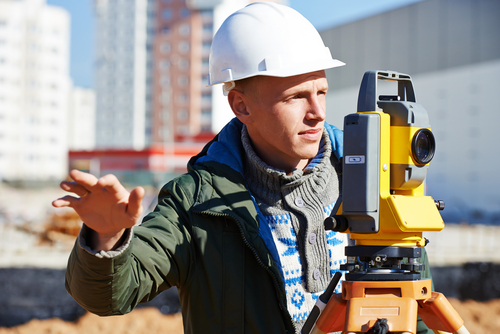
(479, 317)
(141, 321)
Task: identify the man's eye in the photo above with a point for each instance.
(291, 98)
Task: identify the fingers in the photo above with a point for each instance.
(86, 180)
(65, 201)
(111, 183)
(74, 187)
(134, 208)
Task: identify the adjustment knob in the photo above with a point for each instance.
(336, 223)
(439, 205)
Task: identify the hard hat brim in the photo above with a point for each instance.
(299, 69)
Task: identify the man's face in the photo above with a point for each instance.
(286, 118)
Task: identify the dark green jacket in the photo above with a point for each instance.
(203, 238)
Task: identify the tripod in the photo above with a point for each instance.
(383, 295)
(388, 146)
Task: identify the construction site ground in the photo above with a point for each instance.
(479, 317)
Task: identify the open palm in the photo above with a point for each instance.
(104, 205)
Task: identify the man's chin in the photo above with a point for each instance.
(311, 151)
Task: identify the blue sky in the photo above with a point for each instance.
(322, 13)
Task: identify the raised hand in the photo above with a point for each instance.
(104, 205)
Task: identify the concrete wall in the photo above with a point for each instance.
(457, 244)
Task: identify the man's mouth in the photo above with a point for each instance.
(311, 134)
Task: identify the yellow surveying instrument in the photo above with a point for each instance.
(388, 146)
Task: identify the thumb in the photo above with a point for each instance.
(134, 208)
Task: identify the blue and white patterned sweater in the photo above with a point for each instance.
(299, 301)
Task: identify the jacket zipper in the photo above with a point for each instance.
(259, 261)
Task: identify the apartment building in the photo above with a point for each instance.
(34, 90)
(182, 102)
(151, 71)
(124, 30)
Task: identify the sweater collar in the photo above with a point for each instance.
(274, 178)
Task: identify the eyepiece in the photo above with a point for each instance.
(423, 146)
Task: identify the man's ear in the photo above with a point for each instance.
(238, 102)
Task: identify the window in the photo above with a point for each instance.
(206, 118)
(165, 98)
(165, 114)
(151, 15)
(183, 80)
(184, 12)
(165, 80)
(206, 46)
(182, 115)
(166, 14)
(183, 98)
(165, 47)
(206, 97)
(204, 80)
(184, 29)
(183, 64)
(206, 12)
(208, 28)
(183, 47)
(165, 30)
(164, 64)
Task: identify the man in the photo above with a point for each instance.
(241, 234)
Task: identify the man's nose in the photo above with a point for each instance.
(317, 108)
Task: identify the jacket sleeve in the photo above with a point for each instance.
(160, 255)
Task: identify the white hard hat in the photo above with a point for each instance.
(265, 38)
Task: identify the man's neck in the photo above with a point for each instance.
(301, 165)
